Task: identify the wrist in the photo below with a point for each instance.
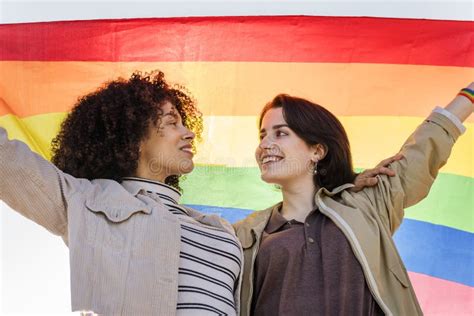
(468, 94)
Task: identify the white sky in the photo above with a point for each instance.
(34, 264)
(14, 11)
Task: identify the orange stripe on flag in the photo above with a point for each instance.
(31, 88)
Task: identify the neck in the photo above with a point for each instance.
(298, 200)
(145, 173)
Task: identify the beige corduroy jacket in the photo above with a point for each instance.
(124, 247)
(369, 218)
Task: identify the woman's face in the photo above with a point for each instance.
(282, 156)
(167, 149)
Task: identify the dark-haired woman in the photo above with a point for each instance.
(326, 250)
(113, 197)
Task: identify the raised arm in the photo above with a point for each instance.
(424, 153)
(33, 186)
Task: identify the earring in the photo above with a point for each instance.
(315, 170)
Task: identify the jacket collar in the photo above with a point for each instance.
(250, 229)
(112, 199)
(135, 185)
(118, 201)
(169, 194)
(335, 191)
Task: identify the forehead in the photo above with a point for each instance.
(273, 117)
(167, 107)
(169, 110)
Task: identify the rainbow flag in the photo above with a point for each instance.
(380, 76)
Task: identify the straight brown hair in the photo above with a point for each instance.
(316, 125)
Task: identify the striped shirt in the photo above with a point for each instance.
(209, 264)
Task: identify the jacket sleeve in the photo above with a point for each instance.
(425, 152)
(33, 186)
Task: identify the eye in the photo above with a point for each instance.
(280, 133)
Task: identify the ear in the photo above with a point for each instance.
(140, 149)
(319, 152)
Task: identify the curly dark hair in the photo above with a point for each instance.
(101, 136)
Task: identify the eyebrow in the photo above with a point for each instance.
(171, 113)
(275, 127)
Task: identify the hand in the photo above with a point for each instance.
(368, 177)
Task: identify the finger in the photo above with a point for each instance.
(362, 183)
(370, 173)
(386, 171)
(370, 182)
(389, 160)
(398, 156)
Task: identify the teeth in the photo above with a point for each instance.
(271, 159)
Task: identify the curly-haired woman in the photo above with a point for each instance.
(112, 195)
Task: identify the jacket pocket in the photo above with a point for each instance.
(400, 274)
(112, 227)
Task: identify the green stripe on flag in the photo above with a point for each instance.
(450, 202)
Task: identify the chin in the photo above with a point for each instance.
(272, 178)
(186, 166)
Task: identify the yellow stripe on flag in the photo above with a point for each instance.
(231, 140)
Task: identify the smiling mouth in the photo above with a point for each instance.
(271, 159)
(187, 150)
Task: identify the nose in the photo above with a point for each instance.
(266, 143)
(188, 134)
(268, 146)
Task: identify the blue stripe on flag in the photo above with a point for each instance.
(434, 250)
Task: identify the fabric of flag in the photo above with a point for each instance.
(380, 76)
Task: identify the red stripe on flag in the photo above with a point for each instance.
(267, 39)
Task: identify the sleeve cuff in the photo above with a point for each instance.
(453, 118)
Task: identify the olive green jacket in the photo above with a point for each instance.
(370, 217)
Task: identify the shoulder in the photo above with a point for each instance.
(254, 219)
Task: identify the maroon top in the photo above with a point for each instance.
(309, 269)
